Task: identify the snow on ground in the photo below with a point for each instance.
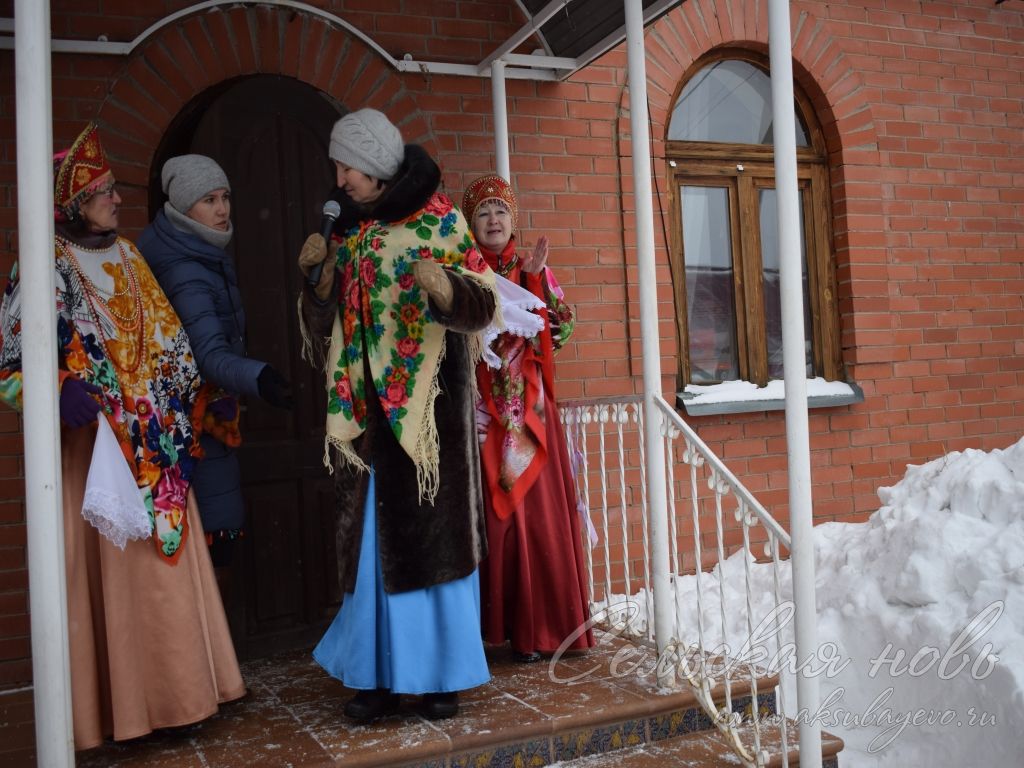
(920, 618)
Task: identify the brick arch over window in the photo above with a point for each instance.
(201, 51)
(819, 65)
(839, 98)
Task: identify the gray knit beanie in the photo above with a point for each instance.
(187, 178)
(367, 141)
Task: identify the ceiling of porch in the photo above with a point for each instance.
(584, 29)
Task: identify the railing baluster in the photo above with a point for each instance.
(719, 488)
(600, 420)
(571, 418)
(638, 414)
(754, 706)
(670, 479)
(584, 420)
(780, 703)
(618, 415)
(693, 459)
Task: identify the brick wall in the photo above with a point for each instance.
(921, 104)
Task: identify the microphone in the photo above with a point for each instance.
(332, 209)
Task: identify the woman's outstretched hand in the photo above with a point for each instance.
(535, 262)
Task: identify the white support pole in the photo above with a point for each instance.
(43, 494)
(500, 105)
(795, 373)
(654, 446)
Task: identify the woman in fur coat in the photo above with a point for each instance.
(395, 316)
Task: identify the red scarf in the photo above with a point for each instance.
(515, 447)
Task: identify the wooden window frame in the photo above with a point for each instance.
(744, 169)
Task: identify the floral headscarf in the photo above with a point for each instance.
(384, 318)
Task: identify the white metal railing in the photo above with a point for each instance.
(605, 440)
(729, 604)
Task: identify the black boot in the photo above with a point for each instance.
(525, 657)
(437, 706)
(370, 705)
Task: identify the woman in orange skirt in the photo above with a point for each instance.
(149, 641)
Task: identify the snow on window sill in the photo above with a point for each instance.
(745, 397)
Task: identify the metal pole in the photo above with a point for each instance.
(664, 600)
(500, 106)
(795, 373)
(50, 669)
(51, 674)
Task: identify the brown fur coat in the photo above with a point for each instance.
(420, 544)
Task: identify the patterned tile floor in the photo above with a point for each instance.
(526, 715)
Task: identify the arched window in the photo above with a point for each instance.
(724, 246)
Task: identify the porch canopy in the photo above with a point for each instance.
(571, 34)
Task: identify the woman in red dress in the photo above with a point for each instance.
(533, 584)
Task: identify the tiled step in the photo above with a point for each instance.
(530, 715)
(600, 730)
(708, 749)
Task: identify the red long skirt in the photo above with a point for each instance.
(533, 583)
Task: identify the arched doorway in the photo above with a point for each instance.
(270, 134)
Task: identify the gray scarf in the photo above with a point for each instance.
(214, 237)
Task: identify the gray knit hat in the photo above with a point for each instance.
(187, 178)
(367, 141)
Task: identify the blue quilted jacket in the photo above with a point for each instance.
(201, 282)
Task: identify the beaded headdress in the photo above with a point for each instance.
(80, 170)
(486, 189)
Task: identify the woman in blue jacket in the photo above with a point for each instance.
(184, 246)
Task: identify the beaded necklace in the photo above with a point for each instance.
(129, 324)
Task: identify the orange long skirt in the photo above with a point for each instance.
(150, 646)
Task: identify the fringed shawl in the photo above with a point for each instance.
(385, 325)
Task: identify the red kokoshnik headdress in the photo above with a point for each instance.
(80, 170)
(487, 188)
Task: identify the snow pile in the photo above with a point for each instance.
(920, 618)
(926, 601)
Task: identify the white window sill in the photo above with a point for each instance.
(744, 397)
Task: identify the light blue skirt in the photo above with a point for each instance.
(424, 641)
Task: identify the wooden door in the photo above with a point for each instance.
(270, 134)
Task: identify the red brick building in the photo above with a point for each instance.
(912, 183)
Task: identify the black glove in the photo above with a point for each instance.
(78, 402)
(274, 388)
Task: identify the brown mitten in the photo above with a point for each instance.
(313, 252)
(431, 277)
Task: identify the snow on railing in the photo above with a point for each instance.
(722, 613)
